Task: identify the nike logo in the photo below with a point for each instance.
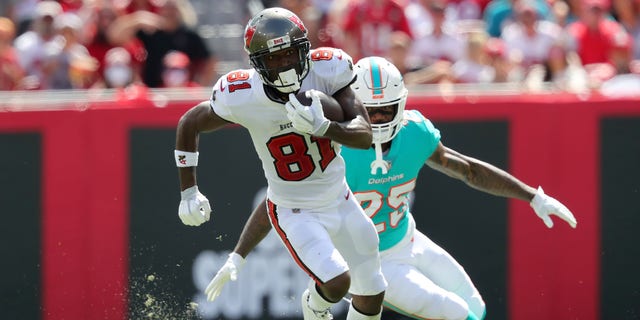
(222, 87)
(346, 197)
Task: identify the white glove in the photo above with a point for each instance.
(308, 119)
(229, 271)
(545, 206)
(194, 207)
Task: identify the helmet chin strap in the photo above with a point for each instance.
(288, 81)
(379, 163)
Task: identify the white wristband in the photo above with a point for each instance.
(186, 159)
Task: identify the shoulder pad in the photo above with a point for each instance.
(333, 64)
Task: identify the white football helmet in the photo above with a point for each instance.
(379, 84)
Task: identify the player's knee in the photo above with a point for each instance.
(336, 288)
(367, 236)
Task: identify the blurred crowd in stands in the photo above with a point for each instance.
(571, 45)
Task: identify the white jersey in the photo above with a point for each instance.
(302, 171)
(533, 48)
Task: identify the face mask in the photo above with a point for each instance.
(175, 77)
(117, 76)
(288, 81)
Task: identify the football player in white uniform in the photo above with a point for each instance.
(425, 282)
(309, 202)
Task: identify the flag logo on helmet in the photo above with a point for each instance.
(248, 35)
(298, 23)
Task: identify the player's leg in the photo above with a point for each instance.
(441, 268)
(315, 304)
(411, 293)
(357, 241)
(306, 238)
(370, 303)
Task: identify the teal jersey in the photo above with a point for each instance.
(385, 197)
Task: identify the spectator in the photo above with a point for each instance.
(22, 13)
(119, 74)
(312, 17)
(566, 12)
(622, 53)
(161, 33)
(326, 29)
(420, 21)
(594, 38)
(83, 71)
(441, 44)
(499, 13)
(131, 6)
(368, 26)
(332, 33)
(626, 82)
(629, 15)
(11, 73)
(561, 13)
(456, 11)
(118, 71)
(60, 52)
(100, 19)
(530, 37)
(565, 71)
(73, 6)
(623, 85)
(438, 72)
(474, 67)
(507, 67)
(30, 46)
(175, 72)
(399, 51)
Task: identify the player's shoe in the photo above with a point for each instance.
(310, 314)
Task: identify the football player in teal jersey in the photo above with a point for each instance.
(425, 282)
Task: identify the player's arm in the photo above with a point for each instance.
(478, 174)
(194, 207)
(196, 120)
(125, 27)
(490, 179)
(255, 229)
(355, 131)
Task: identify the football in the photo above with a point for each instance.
(330, 106)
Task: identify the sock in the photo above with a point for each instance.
(316, 301)
(354, 314)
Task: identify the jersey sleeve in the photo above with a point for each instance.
(217, 101)
(430, 132)
(334, 65)
(220, 98)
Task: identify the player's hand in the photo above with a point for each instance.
(194, 207)
(545, 206)
(308, 119)
(229, 271)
